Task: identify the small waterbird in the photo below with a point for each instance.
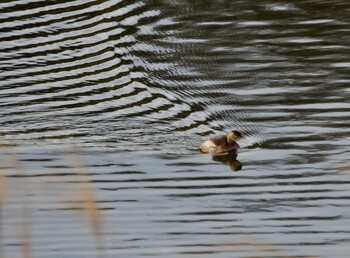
(222, 143)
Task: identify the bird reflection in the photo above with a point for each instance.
(230, 159)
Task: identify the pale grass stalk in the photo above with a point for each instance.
(90, 206)
(3, 189)
(25, 221)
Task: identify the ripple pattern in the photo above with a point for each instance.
(90, 69)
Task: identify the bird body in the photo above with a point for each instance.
(221, 143)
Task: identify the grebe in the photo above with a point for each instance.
(221, 143)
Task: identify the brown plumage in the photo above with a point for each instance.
(221, 143)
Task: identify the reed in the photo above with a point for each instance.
(3, 189)
(90, 207)
(14, 182)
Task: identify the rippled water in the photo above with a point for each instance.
(131, 88)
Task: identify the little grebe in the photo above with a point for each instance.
(221, 143)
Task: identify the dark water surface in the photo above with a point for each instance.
(131, 88)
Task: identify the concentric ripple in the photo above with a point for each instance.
(74, 66)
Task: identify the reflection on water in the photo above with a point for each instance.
(230, 159)
(136, 86)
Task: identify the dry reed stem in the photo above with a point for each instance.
(3, 189)
(85, 197)
(26, 244)
(24, 221)
(90, 206)
(25, 234)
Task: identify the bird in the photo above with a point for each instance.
(222, 143)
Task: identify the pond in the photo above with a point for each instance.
(103, 105)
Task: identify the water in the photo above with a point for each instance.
(129, 89)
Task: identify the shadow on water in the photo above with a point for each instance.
(230, 159)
